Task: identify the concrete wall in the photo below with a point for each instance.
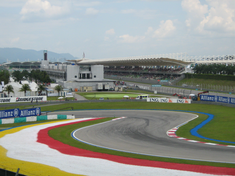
(78, 85)
(45, 64)
(97, 72)
(72, 72)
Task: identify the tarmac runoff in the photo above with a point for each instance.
(20, 149)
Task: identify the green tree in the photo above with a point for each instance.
(39, 76)
(9, 89)
(25, 74)
(4, 76)
(58, 88)
(24, 88)
(41, 88)
(17, 75)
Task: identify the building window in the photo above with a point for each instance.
(94, 76)
(75, 76)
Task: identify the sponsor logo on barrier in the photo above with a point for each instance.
(207, 97)
(154, 100)
(30, 112)
(38, 111)
(168, 100)
(164, 100)
(232, 101)
(29, 99)
(222, 99)
(9, 113)
(180, 101)
(5, 100)
(16, 112)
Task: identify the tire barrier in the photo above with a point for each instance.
(35, 118)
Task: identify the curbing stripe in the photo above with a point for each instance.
(172, 133)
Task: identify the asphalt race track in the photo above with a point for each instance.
(144, 132)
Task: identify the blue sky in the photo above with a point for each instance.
(119, 28)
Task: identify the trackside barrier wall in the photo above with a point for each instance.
(35, 118)
(220, 99)
(169, 100)
(23, 99)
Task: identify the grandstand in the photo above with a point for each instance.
(151, 67)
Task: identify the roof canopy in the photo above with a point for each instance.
(134, 62)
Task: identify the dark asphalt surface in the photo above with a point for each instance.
(144, 132)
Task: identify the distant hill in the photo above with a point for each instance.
(21, 55)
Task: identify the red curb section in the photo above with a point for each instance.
(172, 133)
(44, 138)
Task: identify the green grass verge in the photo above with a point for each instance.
(56, 98)
(196, 81)
(63, 134)
(114, 95)
(108, 95)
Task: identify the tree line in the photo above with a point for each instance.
(220, 69)
(4, 76)
(37, 75)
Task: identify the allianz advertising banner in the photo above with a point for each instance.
(207, 97)
(9, 113)
(220, 99)
(30, 112)
(232, 100)
(12, 113)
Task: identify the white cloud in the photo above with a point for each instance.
(14, 40)
(165, 29)
(131, 39)
(149, 31)
(91, 11)
(106, 38)
(42, 9)
(110, 32)
(144, 13)
(87, 4)
(215, 16)
(128, 11)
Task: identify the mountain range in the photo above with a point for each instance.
(21, 55)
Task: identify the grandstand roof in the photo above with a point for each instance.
(23, 63)
(134, 61)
